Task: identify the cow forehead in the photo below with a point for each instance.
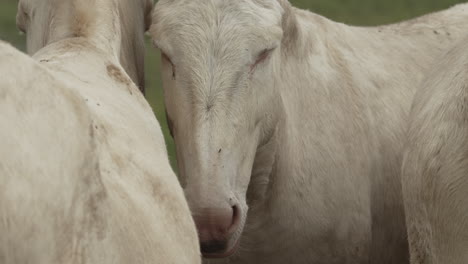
(243, 10)
(271, 4)
(211, 18)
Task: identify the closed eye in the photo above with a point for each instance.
(261, 57)
(21, 19)
(166, 58)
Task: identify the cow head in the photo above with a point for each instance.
(219, 60)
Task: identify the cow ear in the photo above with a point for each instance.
(289, 23)
(22, 17)
(148, 13)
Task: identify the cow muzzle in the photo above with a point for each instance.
(216, 227)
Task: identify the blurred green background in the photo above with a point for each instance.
(357, 12)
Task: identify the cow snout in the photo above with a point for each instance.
(215, 228)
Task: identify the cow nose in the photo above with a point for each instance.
(215, 227)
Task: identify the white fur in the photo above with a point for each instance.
(435, 168)
(84, 173)
(55, 20)
(309, 142)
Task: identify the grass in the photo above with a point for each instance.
(356, 12)
(373, 12)
(8, 30)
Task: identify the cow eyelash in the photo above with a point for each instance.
(262, 56)
(24, 19)
(165, 57)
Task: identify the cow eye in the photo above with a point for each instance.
(166, 58)
(261, 57)
(22, 19)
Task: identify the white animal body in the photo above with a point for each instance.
(435, 167)
(84, 172)
(290, 127)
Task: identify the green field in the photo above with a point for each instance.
(357, 12)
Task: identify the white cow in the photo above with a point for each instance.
(289, 127)
(55, 20)
(435, 167)
(84, 174)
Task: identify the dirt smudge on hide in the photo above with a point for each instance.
(95, 188)
(119, 161)
(75, 45)
(119, 76)
(163, 194)
(95, 206)
(87, 221)
(83, 17)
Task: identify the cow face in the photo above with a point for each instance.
(218, 62)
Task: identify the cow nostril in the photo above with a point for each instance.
(216, 227)
(212, 247)
(235, 219)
